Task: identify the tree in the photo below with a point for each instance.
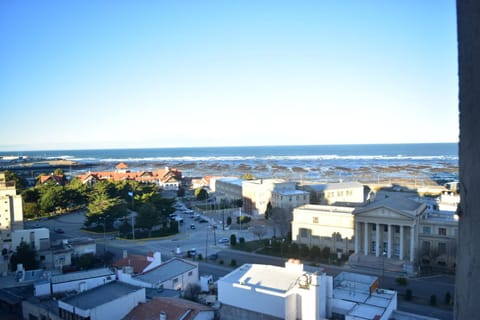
(248, 176)
(77, 192)
(52, 196)
(25, 255)
(280, 219)
(20, 182)
(268, 210)
(201, 194)
(259, 231)
(58, 172)
(229, 221)
(148, 217)
(233, 240)
(192, 290)
(104, 209)
(315, 252)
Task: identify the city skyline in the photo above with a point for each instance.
(206, 73)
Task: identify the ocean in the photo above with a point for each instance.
(430, 162)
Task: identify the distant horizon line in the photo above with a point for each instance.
(233, 146)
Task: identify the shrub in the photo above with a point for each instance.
(448, 298)
(241, 240)
(402, 281)
(408, 295)
(233, 240)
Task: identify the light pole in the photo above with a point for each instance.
(384, 253)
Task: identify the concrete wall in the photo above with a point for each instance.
(468, 259)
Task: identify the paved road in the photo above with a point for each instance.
(203, 238)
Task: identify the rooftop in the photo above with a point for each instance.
(174, 308)
(333, 209)
(335, 186)
(267, 277)
(79, 275)
(100, 295)
(166, 271)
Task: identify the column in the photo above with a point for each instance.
(357, 237)
(377, 240)
(365, 247)
(401, 243)
(412, 242)
(389, 241)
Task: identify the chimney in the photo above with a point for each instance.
(163, 315)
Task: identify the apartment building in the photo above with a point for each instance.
(228, 188)
(11, 211)
(338, 194)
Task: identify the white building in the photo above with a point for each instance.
(341, 193)
(173, 274)
(110, 301)
(258, 193)
(73, 281)
(11, 211)
(38, 238)
(324, 226)
(228, 188)
(271, 292)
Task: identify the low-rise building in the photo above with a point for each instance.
(173, 274)
(74, 281)
(171, 309)
(279, 193)
(324, 226)
(269, 292)
(228, 188)
(338, 194)
(110, 301)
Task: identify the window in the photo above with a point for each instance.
(190, 273)
(426, 246)
(315, 219)
(427, 230)
(373, 248)
(385, 228)
(304, 232)
(374, 227)
(397, 229)
(442, 248)
(442, 231)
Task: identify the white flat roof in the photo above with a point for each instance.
(266, 277)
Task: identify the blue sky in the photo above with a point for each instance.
(112, 74)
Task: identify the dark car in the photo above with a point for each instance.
(213, 256)
(58, 230)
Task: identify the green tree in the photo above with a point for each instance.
(77, 192)
(84, 262)
(52, 196)
(25, 255)
(20, 182)
(58, 172)
(103, 208)
(31, 210)
(201, 194)
(229, 221)
(248, 176)
(31, 195)
(148, 217)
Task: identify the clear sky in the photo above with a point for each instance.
(112, 74)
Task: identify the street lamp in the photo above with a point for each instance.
(384, 253)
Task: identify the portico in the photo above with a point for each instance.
(388, 227)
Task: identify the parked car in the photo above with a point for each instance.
(223, 240)
(58, 230)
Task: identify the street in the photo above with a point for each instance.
(205, 240)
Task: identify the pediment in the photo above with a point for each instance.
(383, 212)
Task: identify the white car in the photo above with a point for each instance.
(223, 240)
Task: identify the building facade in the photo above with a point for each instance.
(342, 193)
(11, 211)
(228, 189)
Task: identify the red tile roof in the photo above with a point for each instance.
(121, 165)
(175, 308)
(139, 263)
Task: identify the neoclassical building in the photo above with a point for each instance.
(394, 225)
(388, 226)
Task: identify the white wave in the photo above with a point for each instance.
(322, 157)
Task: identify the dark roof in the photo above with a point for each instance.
(100, 295)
